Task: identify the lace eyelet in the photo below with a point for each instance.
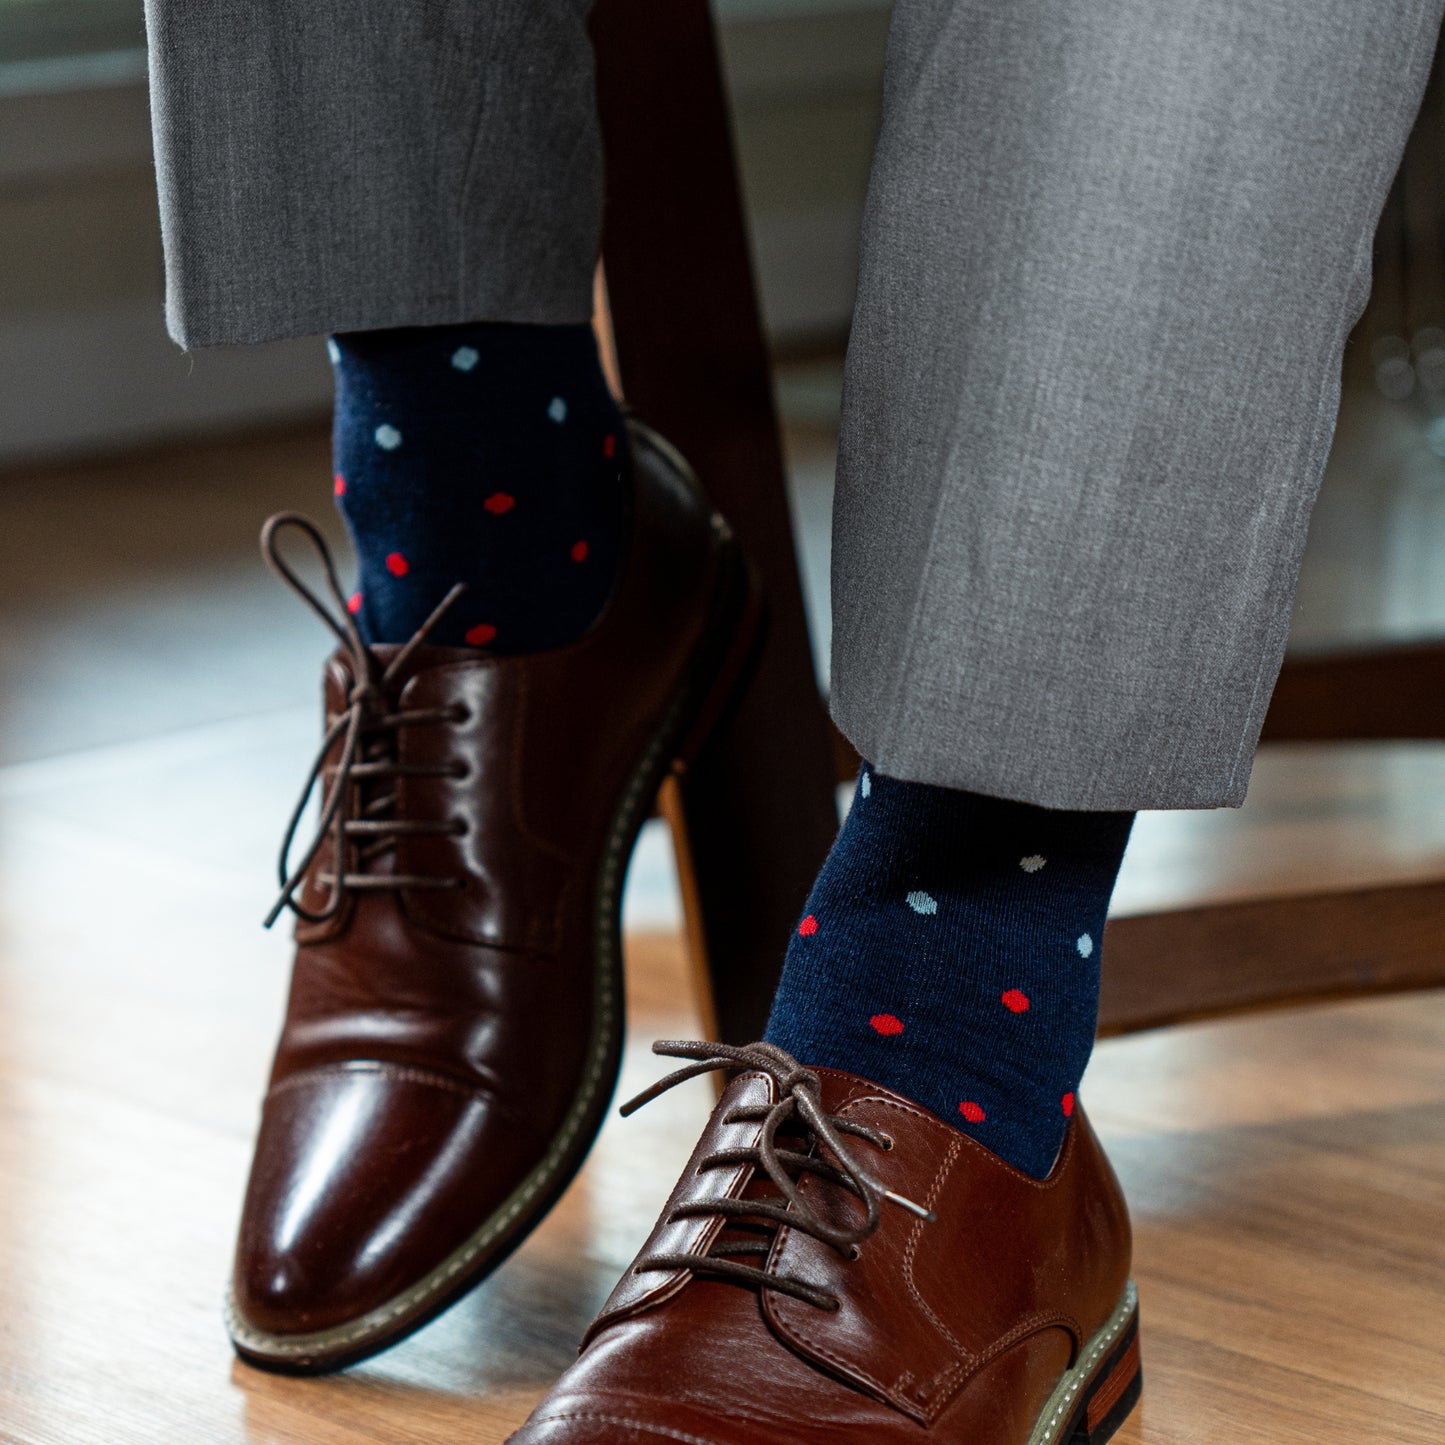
(460, 714)
(459, 827)
(886, 1143)
(459, 771)
(833, 1305)
(854, 1252)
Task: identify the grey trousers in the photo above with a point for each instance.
(1111, 254)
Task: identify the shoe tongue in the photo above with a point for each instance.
(761, 1186)
(737, 1231)
(420, 659)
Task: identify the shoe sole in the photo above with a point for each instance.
(1093, 1399)
(717, 672)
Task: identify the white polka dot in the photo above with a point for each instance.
(865, 783)
(557, 410)
(921, 902)
(387, 437)
(465, 357)
(1085, 945)
(333, 351)
(1033, 862)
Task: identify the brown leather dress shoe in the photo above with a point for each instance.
(455, 1018)
(836, 1264)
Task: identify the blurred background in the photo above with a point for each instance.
(157, 707)
(133, 476)
(80, 255)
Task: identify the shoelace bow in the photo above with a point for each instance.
(799, 1102)
(367, 727)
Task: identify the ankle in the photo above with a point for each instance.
(950, 949)
(491, 455)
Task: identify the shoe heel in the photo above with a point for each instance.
(1113, 1393)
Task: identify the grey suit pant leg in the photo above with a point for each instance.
(1111, 255)
(340, 165)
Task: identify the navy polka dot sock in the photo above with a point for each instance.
(951, 952)
(488, 454)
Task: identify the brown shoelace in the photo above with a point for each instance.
(368, 728)
(798, 1105)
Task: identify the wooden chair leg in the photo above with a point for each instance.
(1228, 958)
(756, 814)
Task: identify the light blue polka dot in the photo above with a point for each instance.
(557, 410)
(921, 902)
(865, 783)
(465, 357)
(387, 437)
(1085, 945)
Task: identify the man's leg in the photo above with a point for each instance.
(1110, 261)
(355, 166)
(1111, 255)
(426, 180)
(422, 182)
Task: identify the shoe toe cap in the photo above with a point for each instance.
(611, 1416)
(367, 1182)
(598, 1426)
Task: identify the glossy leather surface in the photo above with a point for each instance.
(956, 1330)
(446, 1048)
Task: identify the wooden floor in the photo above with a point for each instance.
(1287, 1173)
(1287, 1176)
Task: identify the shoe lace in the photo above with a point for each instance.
(798, 1105)
(368, 728)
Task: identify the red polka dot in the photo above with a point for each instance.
(397, 565)
(579, 551)
(808, 927)
(353, 603)
(500, 502)
(338, 485)
(1067, 1104)
(1016, 1001)
(972, 1112)
(481, 634)
(887, 1024)
(609, 445)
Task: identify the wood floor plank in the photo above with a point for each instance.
(1285, 1179)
